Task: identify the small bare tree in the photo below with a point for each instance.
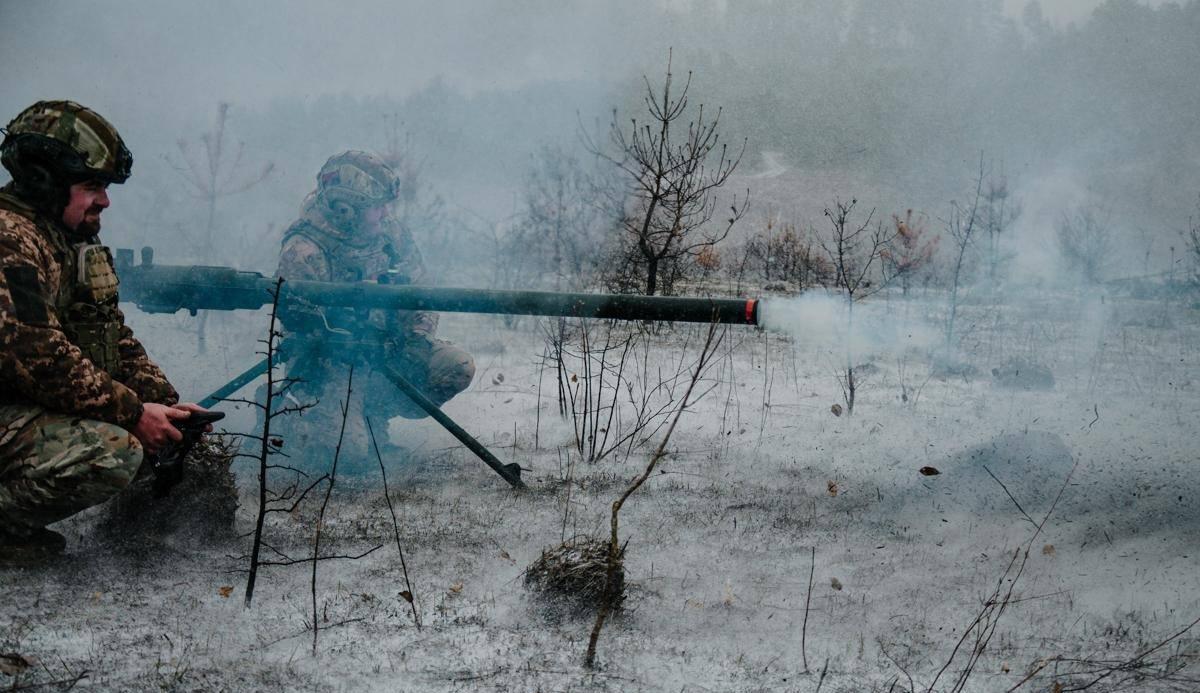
(214, 176)
(963, 228)
(1086, 242)
(552, 242)
(611, 595)
(270, 444)
(910, 250)
(1000, 212)
(854, 250)
(673, 181)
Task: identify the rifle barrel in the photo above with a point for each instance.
(170, 288)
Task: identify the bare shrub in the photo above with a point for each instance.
(854, 250)
(783, 252)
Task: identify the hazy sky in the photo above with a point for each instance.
(116, 55)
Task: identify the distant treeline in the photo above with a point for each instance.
(907, 90)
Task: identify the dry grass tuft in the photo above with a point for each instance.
(571, 576)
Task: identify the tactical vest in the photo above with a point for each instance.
(349, 262)
(87, 304)
(85, 299)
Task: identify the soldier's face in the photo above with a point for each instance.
(87, 200)
(372, 216)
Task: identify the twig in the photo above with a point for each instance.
(807, 601)
(1135, 661)
(326, 557)
(411, 598)
(983, 626)
(1010, 496)
(337, 453)
(821, 680)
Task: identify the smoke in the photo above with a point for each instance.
(874, 329)
(1033, 245)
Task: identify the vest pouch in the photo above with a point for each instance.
(96, 278)
(96, 332)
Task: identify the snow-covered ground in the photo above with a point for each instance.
(763, 484)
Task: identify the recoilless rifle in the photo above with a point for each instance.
(170, 288)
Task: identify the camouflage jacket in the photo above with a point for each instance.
(314, 249)
(39, 363)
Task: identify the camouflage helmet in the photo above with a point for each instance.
(356, 179)
(56, 143)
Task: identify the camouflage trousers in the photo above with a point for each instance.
(440, 373)
(53, 465)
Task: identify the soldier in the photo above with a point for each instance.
(81, 401)
(346, 234)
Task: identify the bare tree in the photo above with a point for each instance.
(673, 188)
(270, 444)
(1086, 242)
(910, 250)
(999, 214)
(553, 240)
(567, 215)
(214, 176)
(854, 250)
(963, 227)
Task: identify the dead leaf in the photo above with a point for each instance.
(836, 409)
(505, 556)
(277, 442)
(12, 663)
(574, 378)
(225, 591)
(407, 596)
(1048, 550)
(832, 487)
(835, 584)
(456, 588)
(929, 471)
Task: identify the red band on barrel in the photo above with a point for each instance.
(750, 305)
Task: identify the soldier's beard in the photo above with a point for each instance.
(90, 224)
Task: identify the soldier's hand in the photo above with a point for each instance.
(190, 407)
(154, 429)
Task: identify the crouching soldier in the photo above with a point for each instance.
(346, 233)
(80, 401)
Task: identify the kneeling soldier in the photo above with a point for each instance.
(81, 401)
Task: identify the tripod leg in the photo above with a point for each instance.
(509, 472)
